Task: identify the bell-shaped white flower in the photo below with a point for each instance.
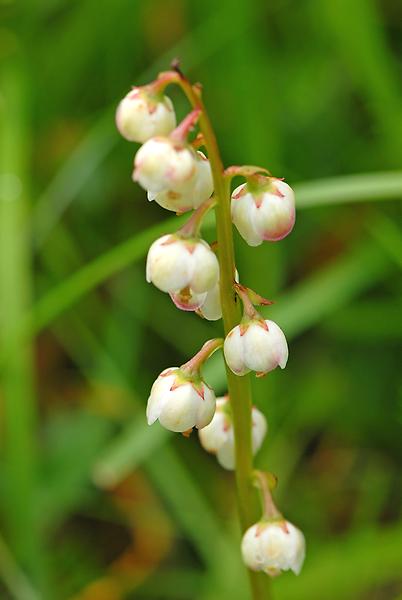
(218, 436)
(256, 345)
(191, 198)
(264, 213)
(174, 263)
(141, 115)
(273, 546)
(180, 402)
(164, 164)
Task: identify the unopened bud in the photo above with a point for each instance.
(256, 345)
(174, 263)
(266, 212)
(273, 546)
(180, 401)
(199, 191)
(163, 164)
(141, 115)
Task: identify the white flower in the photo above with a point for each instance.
(200, 190)
(162, 164)
(273, 546)
(266, 214)
(218, 436)
(140, 117)
(180, 403)
(256, 346)
(174, 263)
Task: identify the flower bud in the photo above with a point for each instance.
(141, 116)
(263, 213)
(174, 263)
(162, 164)
(200, 190)
(218, 436)
(273, 546)
(180, 401)
(256, 345)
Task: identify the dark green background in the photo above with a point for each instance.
(94, 504)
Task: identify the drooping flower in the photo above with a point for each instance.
(180, 401)
(191, 198)
(265, 211)
(218, 436)
(142, 115)
(273, 546)
(174, 263)
(257, 345)
(165, 164)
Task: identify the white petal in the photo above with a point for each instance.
(181, 408)
(259, 429)
(159, 395)
(275, 217)
(283, 547)
(174, 201)
(159, 165)
(226, 453)
(205, 268)
(203, 183)
(206, 407)
(234, 352)
(278, 341)
(169, 265)
(258, 352)
(211, 308)
(264, 350)
(139, 119)
(242, 212)
(214, 435)
(250, 548)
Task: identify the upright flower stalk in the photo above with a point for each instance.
(168, 166)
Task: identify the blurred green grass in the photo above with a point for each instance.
(94, 505)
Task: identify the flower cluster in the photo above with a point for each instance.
(179, 177)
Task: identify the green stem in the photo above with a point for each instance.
(239, 388)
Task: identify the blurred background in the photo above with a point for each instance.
(94, 504)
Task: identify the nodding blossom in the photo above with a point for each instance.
(141, 115)
(191, 198)
(180, 402)
(164, 164)
(174, 263)
(273, 546)
(266, 212)
(257, 345)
